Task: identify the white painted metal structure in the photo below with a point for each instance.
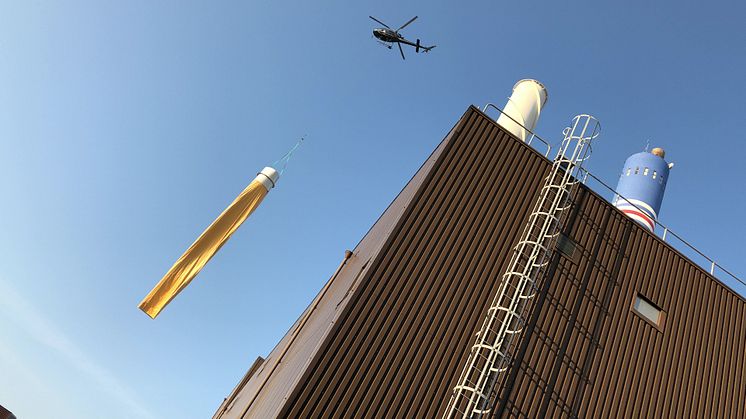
(268, 177)
(491, 354)
(524, 106)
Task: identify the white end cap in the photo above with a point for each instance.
(543, 94)
(268, 177)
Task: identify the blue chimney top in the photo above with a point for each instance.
(642, 183)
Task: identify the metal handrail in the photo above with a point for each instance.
(533, 135)
(667, 231)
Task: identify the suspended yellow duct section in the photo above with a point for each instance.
(211, 240)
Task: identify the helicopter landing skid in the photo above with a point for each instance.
(385, 44)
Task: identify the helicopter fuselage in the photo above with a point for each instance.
(390, 36)
(387, 35)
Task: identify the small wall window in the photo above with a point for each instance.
(655, 173)
(645, 172)
(637, 170)
(648, 311)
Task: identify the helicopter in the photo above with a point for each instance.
(388, 37)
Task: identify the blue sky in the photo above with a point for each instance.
(127, 127)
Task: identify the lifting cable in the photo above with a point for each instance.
(282, 163)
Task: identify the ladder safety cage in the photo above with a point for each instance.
(491, 355)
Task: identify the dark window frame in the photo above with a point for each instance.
(661, 319)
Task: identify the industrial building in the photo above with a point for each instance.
(608, 319)
(6, 414)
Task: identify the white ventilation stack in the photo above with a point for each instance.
(524, 107)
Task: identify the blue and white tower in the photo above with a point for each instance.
(643, 183)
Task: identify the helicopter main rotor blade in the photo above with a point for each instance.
(401, 50)
(405, 25)
(387, 26)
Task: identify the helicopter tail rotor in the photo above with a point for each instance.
(417, 47)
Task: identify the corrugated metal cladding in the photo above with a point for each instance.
(5, 414)
(398, 345)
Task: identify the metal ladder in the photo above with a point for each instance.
(490, 356)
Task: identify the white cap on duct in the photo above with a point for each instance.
(268, 177)
(524, 107)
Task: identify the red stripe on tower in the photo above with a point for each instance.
(637, 215)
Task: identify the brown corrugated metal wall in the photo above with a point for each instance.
(589, 355)
(400, 343)
(398, 349)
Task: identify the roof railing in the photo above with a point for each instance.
(667, 233)
(533, 135)
(712, 266)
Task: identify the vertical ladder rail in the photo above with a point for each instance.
(491, 355)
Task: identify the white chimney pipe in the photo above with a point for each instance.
(524, 106)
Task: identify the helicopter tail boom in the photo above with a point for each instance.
(418, 47)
